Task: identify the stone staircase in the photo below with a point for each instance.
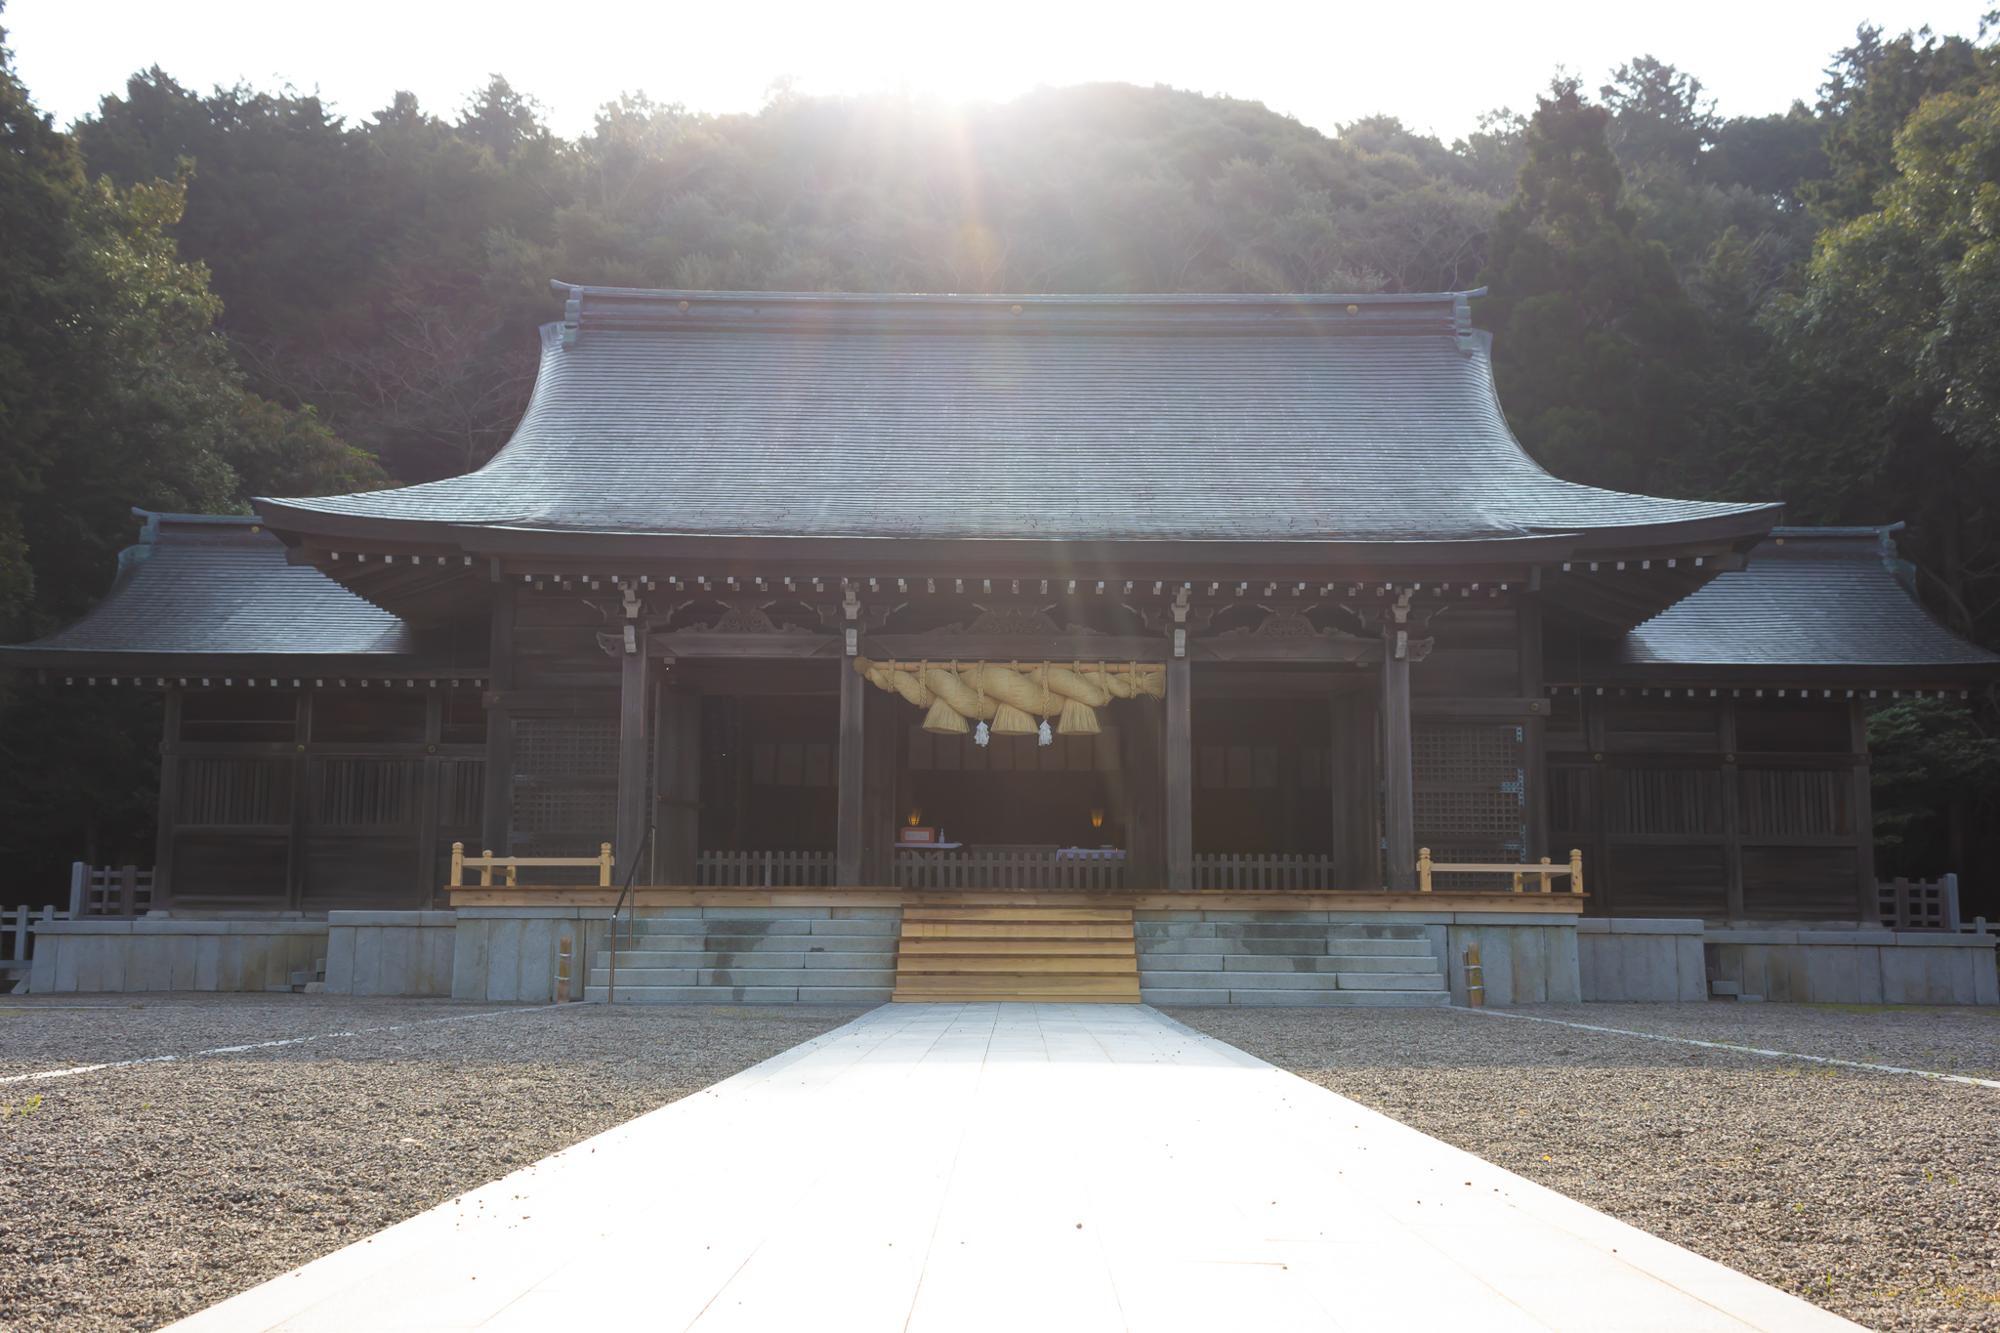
(1285, 959)
(1062, 955)
(717, 955)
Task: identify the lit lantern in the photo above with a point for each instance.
(1097, 818)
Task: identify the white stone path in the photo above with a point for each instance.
(1026, 1168)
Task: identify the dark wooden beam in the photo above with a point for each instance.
(1356, 832)
(1179, 765)
(170, 798)
(1143, 779)
(1732, 814)
(1250, 648)
(700, 645)
(1868, 904)
(1398, 791)
(850, 825)
(882, 732)
(425, 890)
(1534, 771)
(296, 868)
(635, 705)
(1028, 649)
(498, 793)
(677, 785)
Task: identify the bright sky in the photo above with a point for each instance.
(1437, 65)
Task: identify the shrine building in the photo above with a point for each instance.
(1018, 647)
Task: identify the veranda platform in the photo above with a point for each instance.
(1020, 1166)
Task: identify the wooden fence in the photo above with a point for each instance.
(1919, 904)
(17, 939)
(511, 866)
(769, 870)
(1264, 871)
(109, 890)
(1081, 870)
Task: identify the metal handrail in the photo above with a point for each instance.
(624, 894)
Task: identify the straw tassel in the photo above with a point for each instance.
(1011, 721)
(944, 720)
(1078, 718)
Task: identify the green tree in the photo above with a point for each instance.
(1870, 90)
(1595, 343)
(115, 390)
(1899, 319)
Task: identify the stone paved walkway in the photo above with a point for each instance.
(1013, 1167)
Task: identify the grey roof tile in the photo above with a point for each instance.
(1815, 597)
(1340, 418)
(202, 584)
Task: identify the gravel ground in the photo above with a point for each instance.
(133, 1196)
(1874, 1195)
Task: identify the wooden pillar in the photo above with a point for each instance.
(676, 786)
(1732, 817)
(1356, 826)
(1141, 778)
(1399, 819)
(635, 699)
(429, 888)
(170, 797)
(1534, 732)
(498, 790)
(1868, 905)
(850, 827)
(296, 868)
(1179, 772)
(882, 746)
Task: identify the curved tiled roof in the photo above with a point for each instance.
(1819, 598)
(211, 585)
(1234, 419)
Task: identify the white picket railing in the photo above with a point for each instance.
(764, 870)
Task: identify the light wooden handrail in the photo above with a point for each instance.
(1544, 872)
(486, 863)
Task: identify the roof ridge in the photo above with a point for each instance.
(678, 294)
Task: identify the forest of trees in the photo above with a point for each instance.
(206, 296)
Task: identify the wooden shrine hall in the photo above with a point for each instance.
(1155, 597)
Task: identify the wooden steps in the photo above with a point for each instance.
(1057, 955)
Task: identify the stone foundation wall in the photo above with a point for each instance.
(390, 953)
(168, 954)
(1855, 966)
(1268, 957)
(1662, 961)
(1641, 959)
(508, 954)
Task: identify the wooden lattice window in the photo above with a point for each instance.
(1470, 790)
(364, 793)
(461, 792)
(1664, 801)
(239, 792)
(1785, 802)
(565, 783)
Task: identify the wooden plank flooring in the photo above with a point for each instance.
(1006, 952)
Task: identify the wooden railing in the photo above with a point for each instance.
(109, 890)
(17, 938)
(1916, 904)
(1261, 871)
(1082, 870)
(1542, 873)
(486, 863)
(788, 870)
